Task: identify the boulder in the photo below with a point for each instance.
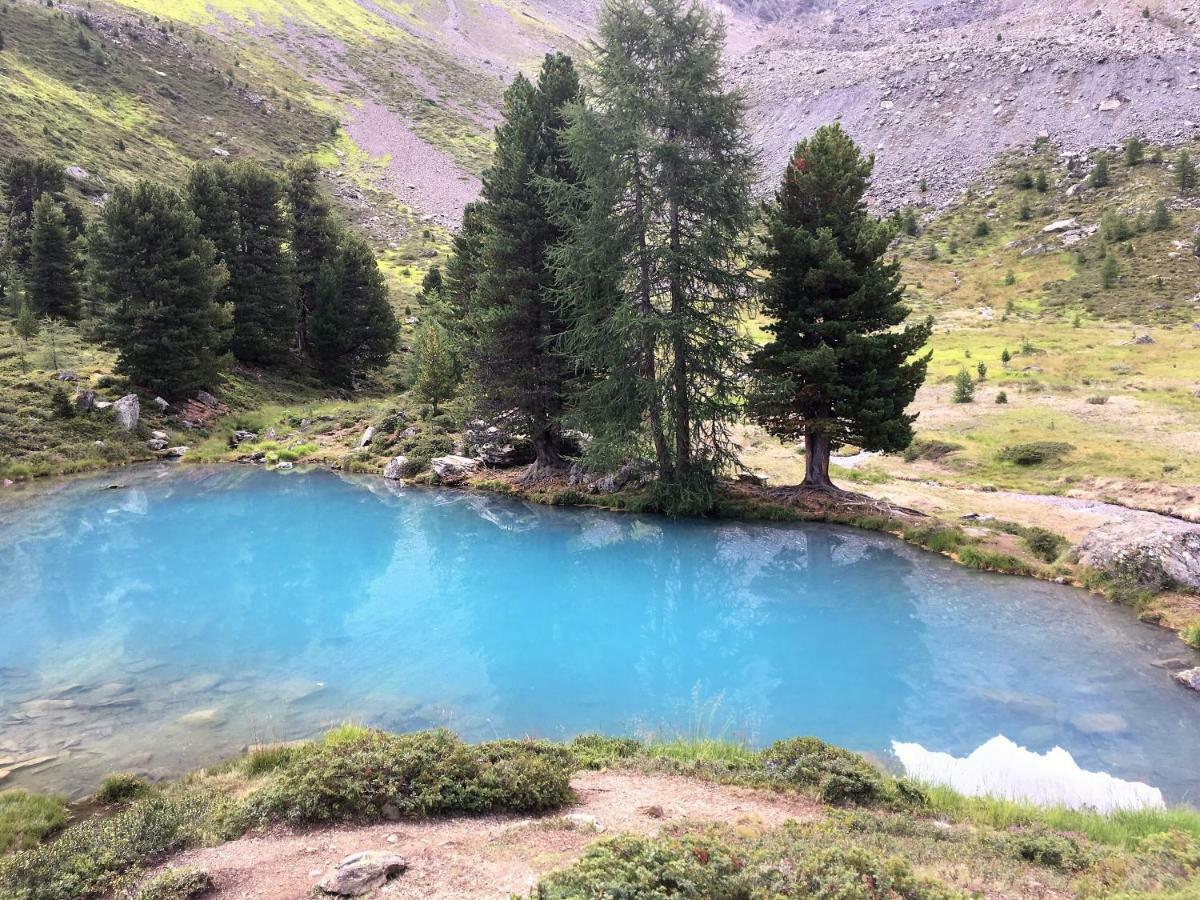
(240, 436)
(454, 469)
(363, 872)
(1156, 552)
(128, 411)
(1143, 339)
(1189, 678)
(158, 435)
(157, 444)
(66, 376)
(208, 399)
(175, 452)
(395, 468)
(584, 822)
(636, 472)
(85, 401)
(162, 404)
(367, 437)
(1061, 225)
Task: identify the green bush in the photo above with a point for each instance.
(121, 787)
(842, 777)
(1035, 453)
(418, 774)
(1044, 544)
(929, 448)
(936, 537)
(25, 818)
(421, 448)
(176, 884)
(1046, 848)
(991, 561)
(598, 751)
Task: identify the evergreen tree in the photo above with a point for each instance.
(964, 387)
(25, 180)
(653, 270)
(1110, 271)
(1135, 151)
(1041, 184)
(52, 284)
(1161, 219)
(512, 314)
(1185, 172)
(26, 324)
(240, 208)
(314, 238)
(1099, 176)
(351, 326)
(462, 270)
(158, 280)
(839, 367)
(437, 370)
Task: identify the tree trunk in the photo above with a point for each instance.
(646, 308)
(816, 461)
(547, 445)
(683, 412)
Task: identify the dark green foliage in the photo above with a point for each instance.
(1045, 544)
(314, 238)
(121, 787)
(90, 858)
(60, 402)
(437, 369)
(935, 537)
(991, 561)
(26, 324)
(1185, 172)
(423, 447)
(512, 313)
(653, 268)
(1099, 176)
(24, 181)
(157, 280)
(420, 774)
(1114, 227)
(1001, 397)
(1047, 848)
(1135, 151)
(982, 228)
(929, 448)
(1160, 219)
(598, 751)
(1035, 453)
(351, 326)
(838, 369)
(1041, 183)
(240, 208)
(52, 282)
(176, 884)
(1005, 356)
(1024, 180)
(1110, 271)
(964, 387)
(841, 777)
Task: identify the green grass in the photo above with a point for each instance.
(26, 819)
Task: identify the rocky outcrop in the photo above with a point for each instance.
(1155, 552)
(1189, 678)
(363, 872)
(85, 401)
(454, 469)
(367, 437)
(128, 411)
(396, 468)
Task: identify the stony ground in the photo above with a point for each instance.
(487, 856)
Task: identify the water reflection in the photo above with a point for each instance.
(197, 610)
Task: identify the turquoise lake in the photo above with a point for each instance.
(192, 611)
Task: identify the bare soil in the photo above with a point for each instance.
(485, 856)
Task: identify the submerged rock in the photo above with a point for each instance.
(127, 411)
(1099, 723)
(363, 872)
(209, 718)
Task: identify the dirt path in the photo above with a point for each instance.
(489, 856)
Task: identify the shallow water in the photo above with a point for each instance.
(171, 622)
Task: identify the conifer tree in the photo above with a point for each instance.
(462, 270)
(351, 326)
(1185, 172)
(437, 369)
(158, 280)
(240, 208)
(512, 313)
(52, 285)
(25, 180)
(653, 272)
(314, 238)
(839, 368)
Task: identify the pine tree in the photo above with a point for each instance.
(1099, 176)
(1135, 151)
(964, 387)
(1040, 183)
(1161, 218)
(52, 284)
(351, 326)
(25, 180)
(158, 280)
(512, 313)
(437, 370)
(1110, 271)
(26, 323)
(1185, 172)
(314, 238)
(654, 268)
(839, 367)
(240, 208)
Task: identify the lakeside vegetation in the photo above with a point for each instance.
(926, 842)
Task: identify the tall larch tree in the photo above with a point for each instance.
(654, 273)
(841, 367)
(512, 311)
(314, 238)
(158, 280)
(52, 282)
(240, 208)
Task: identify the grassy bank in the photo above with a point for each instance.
(868, 828)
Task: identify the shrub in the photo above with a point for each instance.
(121, 787)
(423, 447)
(991, 561)
(1098, 399)
(982, 229)
(1035, 453)
(61, 404)
(841, 776)
(568, 497)
(1001, 397)
(1044, 544)
(936, 537)
(25, 818)
(176, 884)
(1191, 635)
(420, 774)
(598, 751)
(964, 387)
(1046, 848)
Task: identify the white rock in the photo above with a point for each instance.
(453, 469)
(584, 821)
(361, 873)
(1061, 225)
(127, 410)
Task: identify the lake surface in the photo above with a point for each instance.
(171, 622)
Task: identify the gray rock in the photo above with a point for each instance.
(1061, 225)
(396, 468)
(66, 376)
(363, 872)
(1189, 678)
(85, 401)
(128, 411)
(77, 173)
(1174, 664)
(584, 822)
(636, 472)
(158, 435)
(367, 437)
(162, 404)
(241, 436)
(502, 443)
(175, 452)
(453, 469)
(156, 444)
(1143, 339)
(1157, 552)
(208, 399)
(1099, 723)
